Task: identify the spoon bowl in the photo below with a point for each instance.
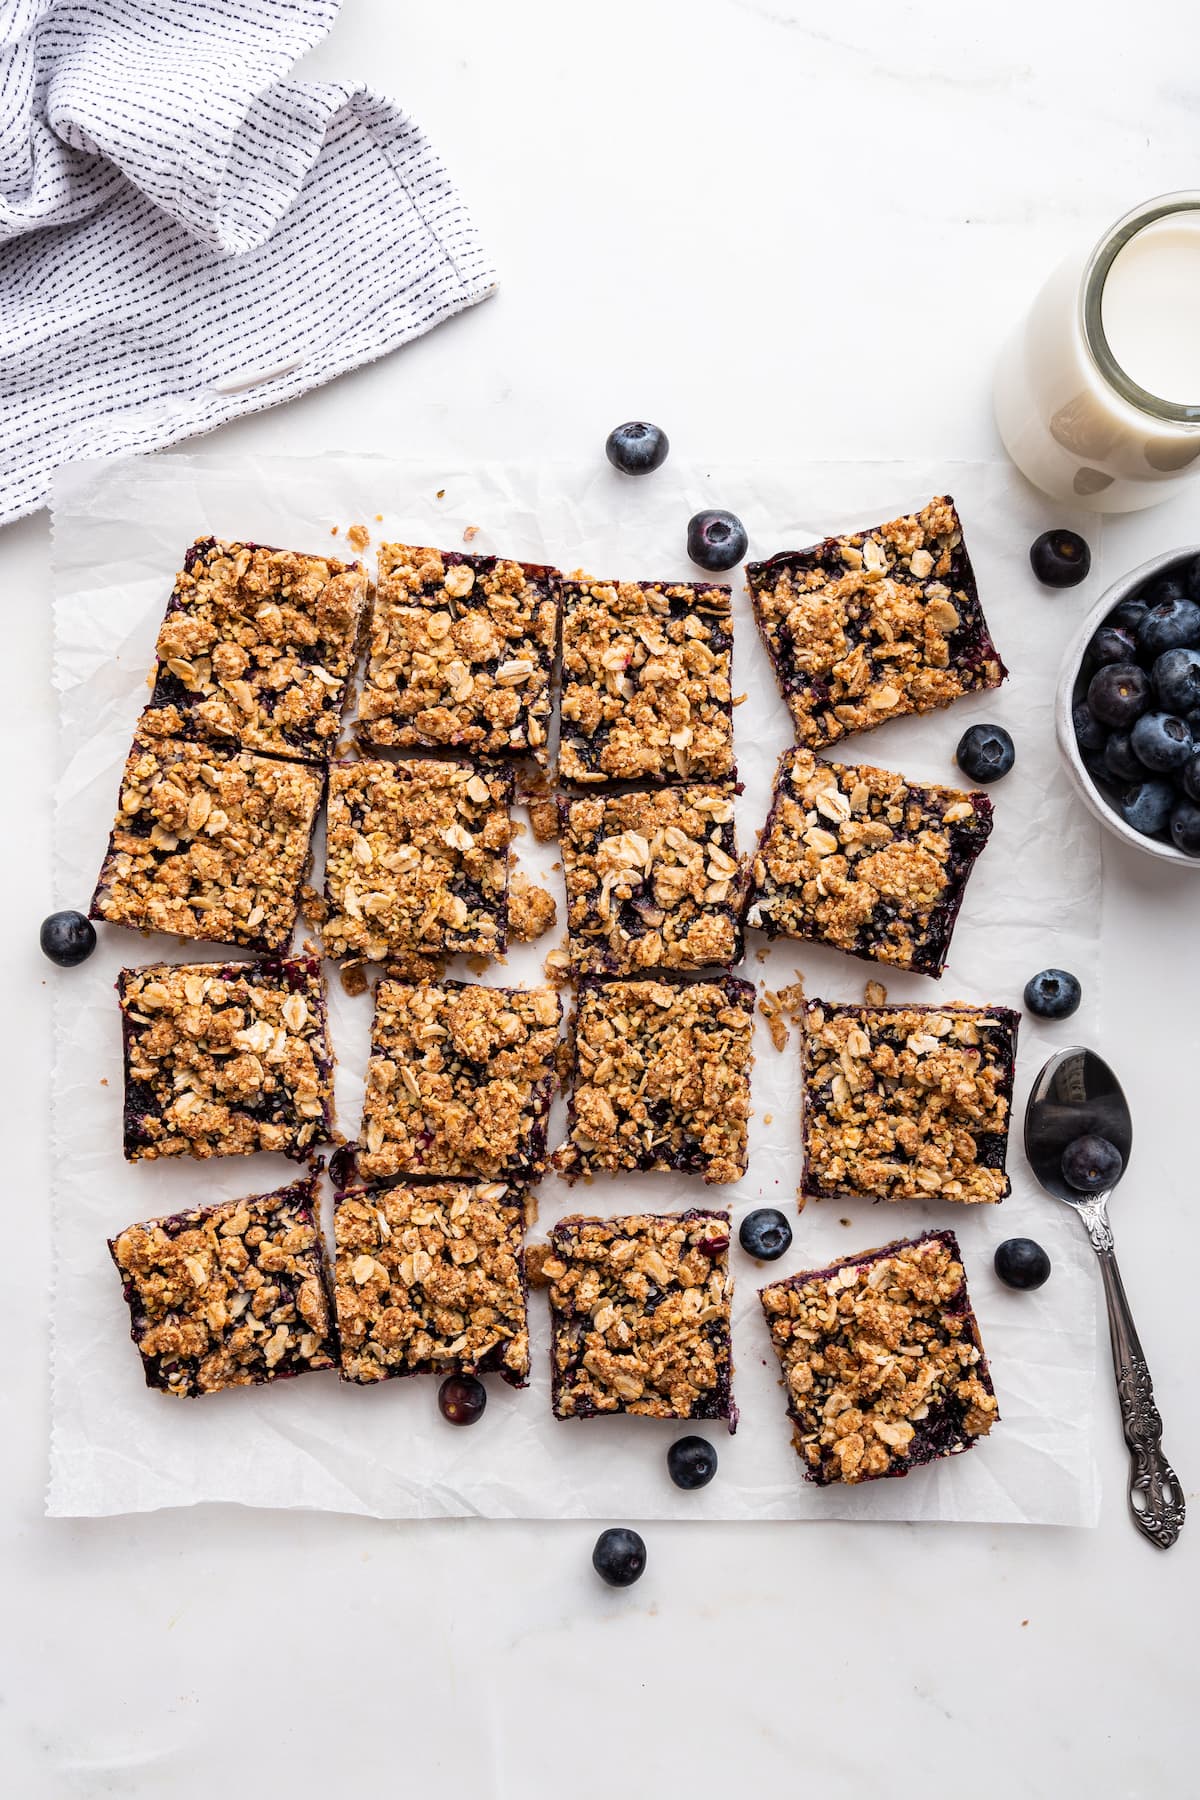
(1075, 1094)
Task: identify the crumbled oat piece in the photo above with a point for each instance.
(543, 817)
(865, 861)
(229, 1295)
(640, 1314)
(416, 860)
(461, 650)
(429, 1281)
(907, 1102)
(459, 1081)
(225, 1059)
(358, 537)
(875, 994)
(313, 907)
(661, 1078)
(653, 881)
(882, 1360)
(532, 909)
(771, 1011)
(470, 534)
(209, 844)
(353, 977)
(646, 682)
(557, 966)
(257, 650)
(872, 625)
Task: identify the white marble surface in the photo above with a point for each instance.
(784, 234)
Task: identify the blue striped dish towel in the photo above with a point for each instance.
(187, 233)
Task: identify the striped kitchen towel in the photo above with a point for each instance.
(187, 233)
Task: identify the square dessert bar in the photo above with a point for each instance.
(230, 1295)
(881, 1360)
(646, 682)
(661, 1078)
(640, 1316)
(257, 649)
(210, 844)
(907, 1102)
(222, 1059)
(865, 627)
(866, 861)
(431, 1281)
(652, 880)
(461, 653)
(459, 1081)
(416, 860)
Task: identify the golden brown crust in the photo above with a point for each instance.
(209, 844)
(430, 1280)
(416, 860)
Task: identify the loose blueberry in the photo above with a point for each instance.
(1147, 806)
(1162, 742)
(1112, 644)
(691, 1462)
(1174, 624)
(619, 1556)
(462, 1399)
(1021, 1263)
(1060, 559)
(985, 752)
(765, 1233)
(1185, 827)
(716, 540)
(1054, 994)
(1119, 693)
(1090, 734)
(67, 938)
(1189, 777)
(1176, 678)
(1119, 759)
(637, 448)
(1091, 1165)
(1129, 614)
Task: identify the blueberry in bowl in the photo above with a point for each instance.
(1128, 707)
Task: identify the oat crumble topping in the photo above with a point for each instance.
(209, 844)
(646, 682)
(882, 1361)
(230, 1295)
(653, 881)
(532, 909)
(907, 1102)
(869, 626)
(661, 1078)
(431, 1281)
(640, 1312)
(416, 860)
(225, 1059)
(257, 649)
(865, 861)
(460, 653)
(459, 1081)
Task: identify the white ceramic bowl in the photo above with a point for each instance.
(1068, 682)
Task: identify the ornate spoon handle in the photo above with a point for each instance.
(1155, 1496)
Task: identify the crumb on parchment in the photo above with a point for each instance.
(532, 909)
(358, 536)
(779, 1006)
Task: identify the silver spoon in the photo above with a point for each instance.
(1077, 1093)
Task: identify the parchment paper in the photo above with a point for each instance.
(119, 533)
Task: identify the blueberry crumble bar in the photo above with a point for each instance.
(907, 1102)
(640, 1316)
(225, 1059)
(459, 1081)
(257, 649)
(416, 860)
(209, 844)
(865, 861)
(882, 1361)
(661, 1078)
(230, 1295)
(652, 881)
(431, 1281)
(646, 682)
(461, 649)
(869, 626)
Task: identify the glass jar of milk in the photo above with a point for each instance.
(1098, 393)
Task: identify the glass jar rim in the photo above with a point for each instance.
(1091, 295)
